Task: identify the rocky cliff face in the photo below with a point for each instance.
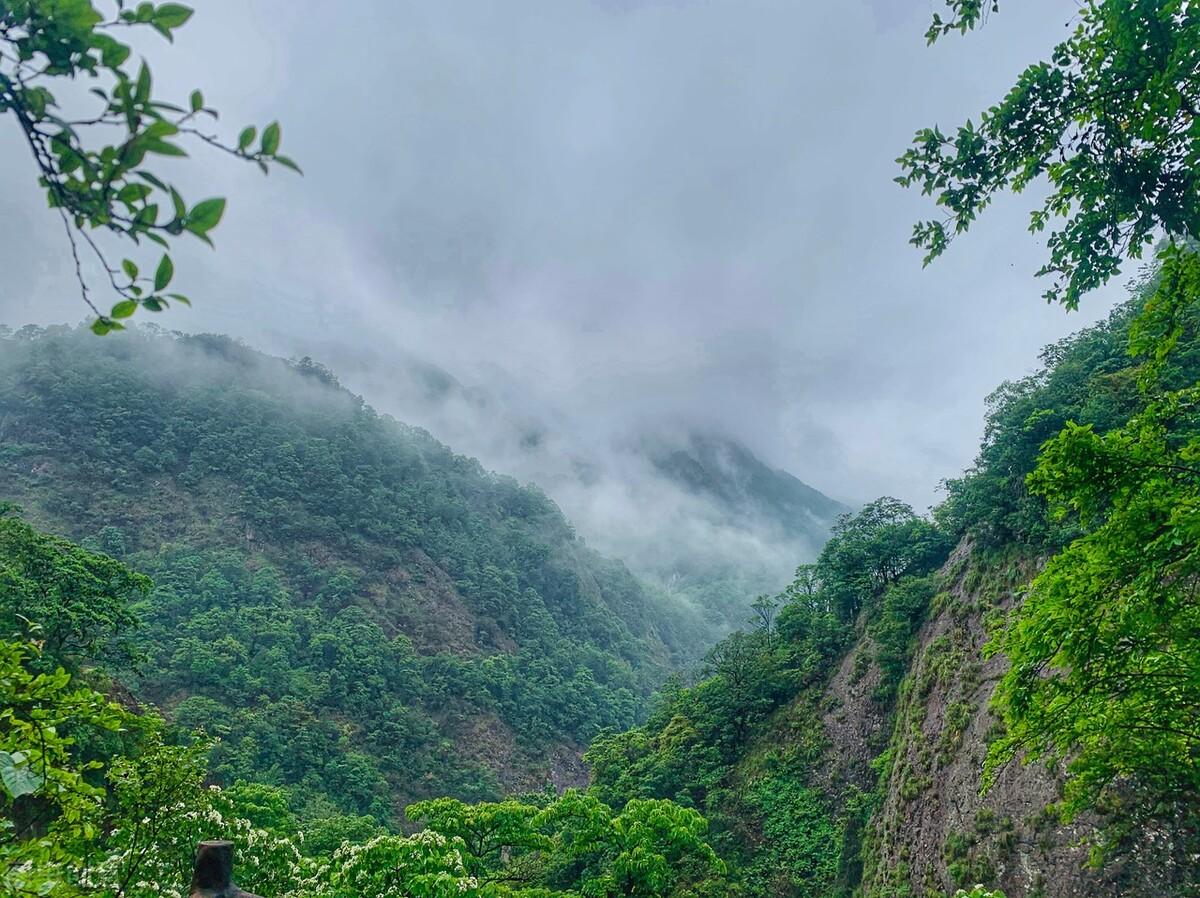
(933, 830)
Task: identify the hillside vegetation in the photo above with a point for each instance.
(358, 613)
(687, 506)
(234, 601)
(850, 744)
(863, 738)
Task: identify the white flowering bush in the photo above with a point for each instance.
(134, 836)
(127, 826)
(264, 862)
(978, 892)
(425, 865)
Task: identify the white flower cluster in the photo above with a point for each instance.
(266, 862)
(424, 865)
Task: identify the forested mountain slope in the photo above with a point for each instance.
(357, 612)
(752, 491)
(760, 523)
(840, 748)
(685, 503)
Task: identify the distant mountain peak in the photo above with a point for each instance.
(725, 471)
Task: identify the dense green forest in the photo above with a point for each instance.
(358, 613)
(101, 798)
(745, 743)
(733, 785)
(237, 602)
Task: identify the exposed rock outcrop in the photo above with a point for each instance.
(934, 830)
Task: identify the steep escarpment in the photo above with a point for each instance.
(777, 743)
(355, 611)
(937, 828)
(826, 776)
(840, 746)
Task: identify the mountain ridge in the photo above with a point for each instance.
(417, 624)
(688, 507)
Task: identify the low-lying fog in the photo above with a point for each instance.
(616, 223)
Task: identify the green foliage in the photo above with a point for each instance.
(427, 865)
(570, 845)
(94, 799)
(873, 550)
(78, 604)
(701, 747)
(978, 892)
(358, 614)
(901, 613)
(124, 822)
(48, 803)
(1107, 121)
(1105, 649)
(964, 15)
(95, 184)
(1088, 378)
(801, 841)
(126, 825)
(1104, 652)
(649, 848)
(488, 833)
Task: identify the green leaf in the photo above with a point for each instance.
(142, 91)
(129, 268)
(113, 53)
(124, 308)
(287, 162)
(197, 101)
(132, 193)
(150, 178)
(147, 216)
(246, 137)
(205, 215)
(177, 201)
(161, 129)
(164, 273)
(172, 15)
(270, 139)
(163, 147)
(16, 775)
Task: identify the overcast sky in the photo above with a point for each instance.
(610, 212)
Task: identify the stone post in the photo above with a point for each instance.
(213, 877)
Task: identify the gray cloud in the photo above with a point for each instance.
(610, 215)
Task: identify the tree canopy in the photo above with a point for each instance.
(76, 603)
(1107, 121)
(1104, 650)
(99, 800)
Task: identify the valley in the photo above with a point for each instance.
(566, 484)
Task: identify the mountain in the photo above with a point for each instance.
(748, 491)
(691, 510)
(838, 747)
(355, 611)
(753, 523)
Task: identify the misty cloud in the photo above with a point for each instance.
(611, 217)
